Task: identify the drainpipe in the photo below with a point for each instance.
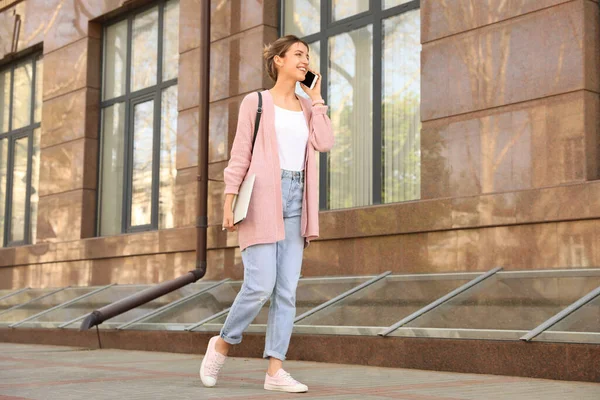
(154, 292)
(202, 190)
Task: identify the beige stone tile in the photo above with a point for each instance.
(223, 126)
(236, 63)
(69, 117)
(60, 216)
(442, 251)
(441, 19)
(231, 17)
(68, 167)
(189, 79)
(82, 71)
(592, 47)
(187, 138)
(185, 203)
(537, 55)
(435, 160)
(576, 244)
(592, 130)
(435, 81)
(190, 24)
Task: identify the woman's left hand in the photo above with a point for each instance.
(315, 92)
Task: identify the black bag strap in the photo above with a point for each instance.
(257, 121)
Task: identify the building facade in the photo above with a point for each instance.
(466, 134)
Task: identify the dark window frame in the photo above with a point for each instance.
(129, 100)
(374, 16)
(12, 136)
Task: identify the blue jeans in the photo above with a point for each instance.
(272, 270)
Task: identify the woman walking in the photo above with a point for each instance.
(283, 213)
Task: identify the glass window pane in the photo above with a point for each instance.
(115, 59)
(508, 302)
(21, 110)
(22, 298)
(586, 319)
(87, 305)
(401, 152)
(385, 302)
(150, 306)
(39, 87)
(310, 294)
(44, 303)
(35, 180)
(111, 180)
(194, 310)
(144, 49)
(393, 3)
(3, 178)
(4, 100)
(346, 8)
(19, 190)
(350, 99)
(170, 59)
(302, 17)
(141, 188)
(168, 157)
(6, 292)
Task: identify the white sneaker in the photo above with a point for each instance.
(283, 382)
(211, 364)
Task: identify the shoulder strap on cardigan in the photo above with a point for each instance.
(257, 121)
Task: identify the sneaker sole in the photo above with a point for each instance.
(283, 389)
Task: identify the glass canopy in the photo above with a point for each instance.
(311, 292)
(192, 310)
(78, 310)
(548, 305)
(147, 308)
(8, 292)
(23, 297)
(383, 303)
(42, 304)
(582, 326)
(505, 306)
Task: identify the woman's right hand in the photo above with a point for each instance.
(228, 214)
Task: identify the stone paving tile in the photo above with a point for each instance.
(47, 373)
(534, 389)
(43, 375)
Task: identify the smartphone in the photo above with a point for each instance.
(310, 80)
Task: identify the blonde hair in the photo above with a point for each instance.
(278, 48)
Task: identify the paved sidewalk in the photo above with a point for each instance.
(52, 372)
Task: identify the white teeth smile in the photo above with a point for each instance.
(302, 69)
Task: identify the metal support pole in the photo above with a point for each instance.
(13, 293)
(205, 320)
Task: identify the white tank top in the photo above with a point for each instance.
(292, 135)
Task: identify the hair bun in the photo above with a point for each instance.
(267, 51)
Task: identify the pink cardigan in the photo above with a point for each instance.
(264, 223)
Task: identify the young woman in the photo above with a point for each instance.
(284, 210)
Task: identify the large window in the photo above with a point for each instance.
(139, 121)
(368, 52)
(20, 115)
